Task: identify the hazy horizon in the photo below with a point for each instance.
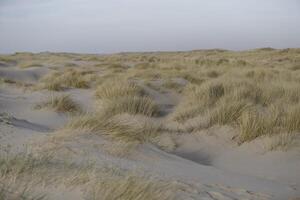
(137, 25)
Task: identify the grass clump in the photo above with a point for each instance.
(254, 123)
(52, 86)
(119, 127)
(126, 131)
(23, 175)
(292, 119)
(227, 112)
(133, 105)
(16, 176)
(197, 100)
(265, 103)
(69, 78)
(62, 103)
(125, 97)
(110, 90)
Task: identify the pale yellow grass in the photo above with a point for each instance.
(24, 176)
(115, 128)
(117, 88)
(69, 78)
(62, 103)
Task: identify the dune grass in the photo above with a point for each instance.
(226, 112)
(257, 92)
(292, 119)
(69, 78)
(23, 176)
(116, 128)
(16, 176)
(253, 124)
(173, 85)
(113, 89)
(134, 188)
(258, 101)
(256, 108)
(125, 97)
(25, 65)
(134, 105)
(62, 103)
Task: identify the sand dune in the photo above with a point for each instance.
(141, 130)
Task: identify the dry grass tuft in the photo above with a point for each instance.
(197, 100)
(23, 176)
(251, 125)
(69, 78)
(134, 105)
(226, 112)
(292, 119)
(125, 97)
(113, 89)
(61, 103)
(254, 123)
(17, 174)
(258, 102)
(126, 130)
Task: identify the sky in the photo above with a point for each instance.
(109, 26)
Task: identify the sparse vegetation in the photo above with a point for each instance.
(62, 103)
(69, 78)
(113, 89)
(257, 102)
(125, 97)
(171, 84)
(140, 101)
(118, 128)
(133, 105)
(226, 112)
(29, 65)
(23, 174)
(240, 89)
(133, 188)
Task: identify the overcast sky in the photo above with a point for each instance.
(105, 26)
